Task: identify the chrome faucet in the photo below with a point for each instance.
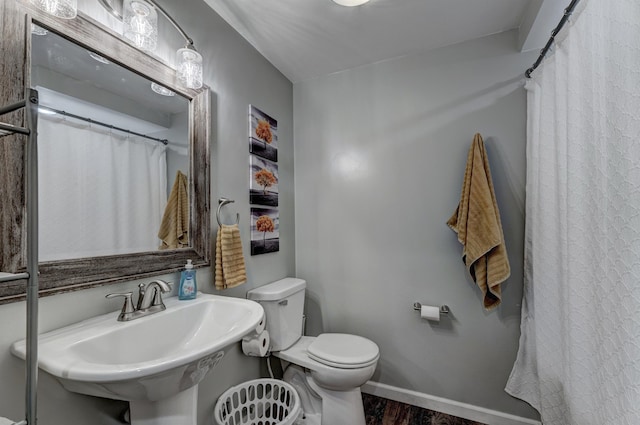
(149, 300)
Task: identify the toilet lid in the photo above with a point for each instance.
(343, 351)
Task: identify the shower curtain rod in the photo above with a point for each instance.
(567, 13)
(113, 127)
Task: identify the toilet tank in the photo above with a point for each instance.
(283, 303)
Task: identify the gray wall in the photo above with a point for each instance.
(238, 76)
(380, 156)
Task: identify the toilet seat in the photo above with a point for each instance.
(343, 351)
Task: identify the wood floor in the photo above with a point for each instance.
(380, 411)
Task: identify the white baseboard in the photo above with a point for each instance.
(449, 407)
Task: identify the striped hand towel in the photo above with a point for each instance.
(230, 269)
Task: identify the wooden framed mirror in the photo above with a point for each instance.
(75, 268)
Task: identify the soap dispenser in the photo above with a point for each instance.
(188, 288)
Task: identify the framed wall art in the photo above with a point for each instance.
(263, 183)
(263, 134)
(265, 235)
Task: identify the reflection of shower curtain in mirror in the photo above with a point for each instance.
(100, 193)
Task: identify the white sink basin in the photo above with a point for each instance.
(148, 359)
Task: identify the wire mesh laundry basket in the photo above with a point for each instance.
(259, 402)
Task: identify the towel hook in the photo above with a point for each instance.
(221, 203)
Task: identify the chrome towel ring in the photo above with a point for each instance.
(221, 203)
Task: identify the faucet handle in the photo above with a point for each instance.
(127, 308)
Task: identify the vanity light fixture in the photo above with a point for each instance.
(189, 67)
(350, 3)
(65, 9)
(141, 25)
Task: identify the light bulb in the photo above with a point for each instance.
(65, 9)
(140, 24)
(189, 68)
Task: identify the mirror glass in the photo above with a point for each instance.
(113, 149)
(113, 205)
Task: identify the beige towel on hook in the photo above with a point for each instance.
(477, 223)
(174, 229)
(230, 270)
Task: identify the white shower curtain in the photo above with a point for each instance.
(100, 193)
(579, 356)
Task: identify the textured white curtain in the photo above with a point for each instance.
(100, 193)
(579, 356)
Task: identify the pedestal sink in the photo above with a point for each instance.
(153, 362)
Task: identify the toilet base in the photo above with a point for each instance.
(340, 407)
(330, 407)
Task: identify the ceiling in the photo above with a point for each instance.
(309, 38)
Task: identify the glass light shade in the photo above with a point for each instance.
(66, 9)
(189, 68)
(140, 24)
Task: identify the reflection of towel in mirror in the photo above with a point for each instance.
(174, 229)
(477, 223)
(230, 270)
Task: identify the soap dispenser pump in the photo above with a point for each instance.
(188, 288)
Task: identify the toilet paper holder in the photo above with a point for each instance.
(444, 309)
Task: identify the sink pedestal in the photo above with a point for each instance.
(178, 409)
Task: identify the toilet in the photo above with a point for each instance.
(327, 371)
